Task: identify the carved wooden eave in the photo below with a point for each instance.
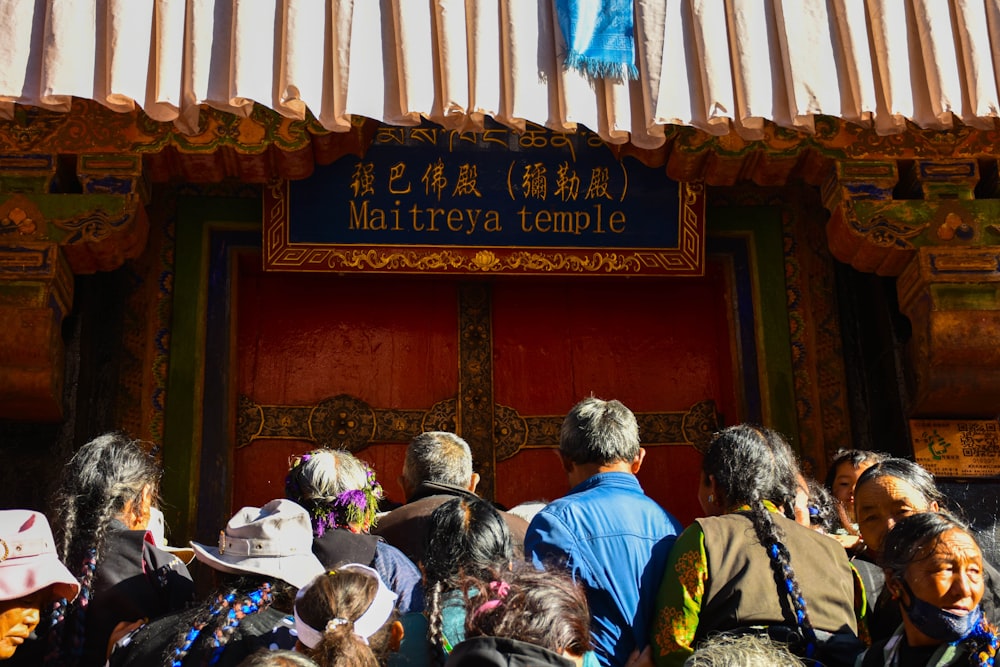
(73, 187)
(265, 145)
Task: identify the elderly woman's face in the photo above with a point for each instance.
(18, 619)
(948, 573)
(879, 503)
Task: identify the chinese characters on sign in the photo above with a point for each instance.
(957, 448)
(433, 199)
(463, 210)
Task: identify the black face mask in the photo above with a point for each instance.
(938, 623)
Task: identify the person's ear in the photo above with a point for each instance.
(395, 636)
(892, 585)
(473, 482)
(135, 513)
(637, 461)
(933, 507)
(715, 495)
(567, 463)
(405, 486)
(146, 505)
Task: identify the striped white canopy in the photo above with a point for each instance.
(719, 65)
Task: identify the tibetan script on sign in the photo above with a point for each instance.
(957, 448)
(433, 200)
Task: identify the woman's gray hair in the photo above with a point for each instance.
(742, 651)
(597, 431)
(330, 472)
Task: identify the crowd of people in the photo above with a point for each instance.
(870, 569)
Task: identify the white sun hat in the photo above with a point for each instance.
(273, 541)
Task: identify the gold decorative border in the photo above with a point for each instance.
(687, 259)
(347, 421)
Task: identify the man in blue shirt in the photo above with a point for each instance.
(606, 531)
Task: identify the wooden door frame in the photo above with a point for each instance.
(201, 389)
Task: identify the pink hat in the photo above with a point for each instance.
(28, 560)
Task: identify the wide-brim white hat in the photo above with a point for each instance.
(272, 541)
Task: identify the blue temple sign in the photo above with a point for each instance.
(434, 200)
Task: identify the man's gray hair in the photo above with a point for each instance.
(742, 651)
(597, 431)
(439, 457)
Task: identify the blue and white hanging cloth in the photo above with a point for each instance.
(599, 37)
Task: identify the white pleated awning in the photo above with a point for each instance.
(719, 65)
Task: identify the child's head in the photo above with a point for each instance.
(346, 618)
(542, 607)
(842, 477)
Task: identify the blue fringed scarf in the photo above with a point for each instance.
(598, 36)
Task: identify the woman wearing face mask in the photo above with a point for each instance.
(886, 493)
(934, 574)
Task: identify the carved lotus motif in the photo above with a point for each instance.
(486, 260)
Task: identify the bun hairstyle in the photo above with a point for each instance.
(343, 617)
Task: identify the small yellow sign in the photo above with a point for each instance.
(957, 447)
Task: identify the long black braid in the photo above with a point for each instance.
(104, 477)
(434, 605)
(468, 538)
(754, 466)
(213, 625)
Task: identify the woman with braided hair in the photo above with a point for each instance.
(747, 568)
(468, 538)
(101, 513)
(267, 550)
(934, 573)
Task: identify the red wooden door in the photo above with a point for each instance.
(516, 352)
